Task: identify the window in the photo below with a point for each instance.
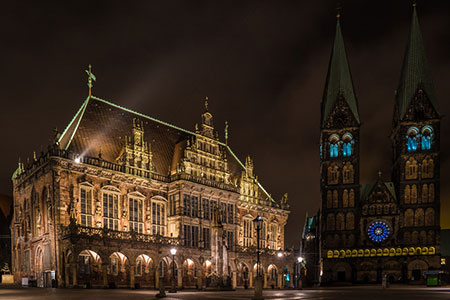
(330, 222)
(205, 207)
(138, 271)
(347, 147)
(207, 238)
(333, 174)
(412, 136)
(431, 193)
(340, 221)
(419, 217)
(273, 230)
(429, 217)
(424, 193)
(351, 198)
(411, 168)
(334, 145)
(427, 168)
(329, 200)
(230, 213)
(223, 208)
(213, 207)
(350, 221)
(190, 236)
(111, 210)
(335, 199)
(186, 205)
(345, 199)
(409, 217)
(230, 240)
(407, 194)
(86, 206)
(427, 136)
(262, 235)
(348, 173)
(158, 218)
(248, 229)
(194, 202)
(135, 213)
(173, 199)
(413, 194)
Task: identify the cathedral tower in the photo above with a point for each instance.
(339, 153)
(415, 140)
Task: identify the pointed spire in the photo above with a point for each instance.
(206, 103)
(415, 71)
(226, 133)
(91, 77)
(339, 79)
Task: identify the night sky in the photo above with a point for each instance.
(261, 63)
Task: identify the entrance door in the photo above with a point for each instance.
(416, 274)
(341, 275)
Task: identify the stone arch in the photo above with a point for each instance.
(144, 270)
(89, 267)
(243, 274)
(272, 276)
(342, 272)
(166, 265)
(416, 269)
(189, 272)
(39, 266)
(117, 269)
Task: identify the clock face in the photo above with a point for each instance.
(378, 231)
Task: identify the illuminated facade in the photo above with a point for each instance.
(390, 229)
(117, 190)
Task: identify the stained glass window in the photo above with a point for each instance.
(378, 231)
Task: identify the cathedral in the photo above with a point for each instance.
(384, 229)
(121, 199)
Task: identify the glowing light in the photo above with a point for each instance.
(208, 263)
(279, 254)
(189, 261)
(299, 259)
(173, 251)
(77, 159)
(378, 231)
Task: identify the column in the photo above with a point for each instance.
(234, 279)
(250, 279)
(180, 277)
(74, 275)
(280, 281)
(105, 274)
(131, 276)
(66, 275)
(264, 275)
(157, 278)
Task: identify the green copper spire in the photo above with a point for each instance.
(339, 79)
(415, 72)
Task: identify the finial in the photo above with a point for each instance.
(379, 174)
(91, 77)
(414, 3)
(338, 10)
(206, 103)
(226, 133)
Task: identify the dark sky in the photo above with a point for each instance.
(262, 64)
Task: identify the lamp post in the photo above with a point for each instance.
(173, 289)
(258, 283)
(299, 269)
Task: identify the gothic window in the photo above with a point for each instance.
(329, 199)
(407, 238)
(411, 168)
(415, 237)
(427, 167)
(427, 137)
(135, 214)
(230, 240)
(337, 240)
(414, 194)
(248, 230)
(158, 217)
(334, 145)
(206, 238)
(418, 217)
(424, 193)
(379, 209)
(431, 193)
(335, 199)
(409, 217)
(262, 235)
(340, 221)
(407, 194)
(330, 222)
(273, 231)
(186, 205)
(333, 174)
(412, 135)
(329, 241)
(429, 217)
(345, 199)
(347, 146)
(430, 237)
(348, 173)
(86, 205)
(230, 208)
(423, 237)
(195, 208)
(111, 210)
(351, 240)
(139, 265)
(350, 221)
(352, 198)
(372, 209)
(205, 207)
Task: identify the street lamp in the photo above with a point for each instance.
(299, 259)
(173, 289)
(258, 284)
(299, 270)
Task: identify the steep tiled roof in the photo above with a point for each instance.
(339, 79)
(415, 71)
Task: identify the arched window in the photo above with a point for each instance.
(407, 238)
(330, 222)
(418, 217)
(407, 194)
(348, 173)
(340, 221)
(111, 207)
(430, 237)
(352, 198)
(158, 216)
(86, 202)
(431, 193)
(409, 217)
(350, 221)
(413, 194)
(136, 212)
(429, 217)
(335, 199)
(423, 237)
(347, 146)
(427, 137)
(329, 199)
(411, 168)
(415, 237)
(345, 198)
(412, 135)
(427, 167)
(424, 193)
(334, 145)
(333, 174)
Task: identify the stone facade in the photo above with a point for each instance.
(105, 204)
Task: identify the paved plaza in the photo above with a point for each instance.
(360, 292)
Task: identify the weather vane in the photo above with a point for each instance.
(91, 77)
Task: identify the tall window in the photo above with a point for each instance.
(329, 200)
(407, 194)
(111, 210)
(273, 230)
(248, 230)
(135, 214)
(345, 199)
(411, 168)
(205, 207)
(340, 221)
(195, 208)
(263, 235)
(347, 147)
(207, 238)
(427, 136)
(351, 200)
(333, 174)
(158, 218)
(230, 213)
(348, 173)
(412, 138)
(335, 199)
(86, 206)
(334, 145)
(427, 167)
(186, 205)
(190, 235)
(230, 240)
(223, 208)
(173, 204)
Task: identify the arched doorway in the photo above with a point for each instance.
(144, 271)
(189, 273)
(286, 277)
(272, 276)
(40, 267)
(89, 268)
(243, 275)
(207, 271)
(117, 271)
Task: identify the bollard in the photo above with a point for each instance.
(258, 288)
(162, 289)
